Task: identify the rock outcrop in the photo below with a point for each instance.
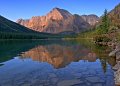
(114, 16)
(91, 19)
(116, 68)
(59, 20)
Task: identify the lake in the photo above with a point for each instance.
(55, 63)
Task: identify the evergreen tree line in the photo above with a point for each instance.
(11, 35)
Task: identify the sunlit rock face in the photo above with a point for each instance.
(59, 56)
(59, 20)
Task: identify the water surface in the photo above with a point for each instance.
(55, 63)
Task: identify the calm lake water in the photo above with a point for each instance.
(55, 63)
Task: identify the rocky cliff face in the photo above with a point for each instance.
(91, 19)
(114, 16)
(23, 22)
(56, 21)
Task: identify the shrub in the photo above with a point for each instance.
(101, 39)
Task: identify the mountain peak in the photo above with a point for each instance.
(56, 8)
(59, 13)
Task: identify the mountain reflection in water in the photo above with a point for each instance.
(59, 55)
(55, 63)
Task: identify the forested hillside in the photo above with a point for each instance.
(12, 30)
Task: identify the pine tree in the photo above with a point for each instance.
(105, 22)
(104, 26)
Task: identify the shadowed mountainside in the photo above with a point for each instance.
(9, 26)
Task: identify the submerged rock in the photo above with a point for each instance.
(118, 56)
(112, 53)
(117, 66)
(98, 84)
(69, 82)
(117, 77)
(116, 53)
(94, 79)
(52, 75)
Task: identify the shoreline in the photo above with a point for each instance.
(116, 53)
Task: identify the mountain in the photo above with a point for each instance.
(57, 21)
(12, 30)
(9, 26)
(114, 16)
(91, 19)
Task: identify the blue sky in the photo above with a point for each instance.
(15, 9)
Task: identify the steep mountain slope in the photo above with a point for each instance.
(114, 16)
(9, 26)
(56, 21)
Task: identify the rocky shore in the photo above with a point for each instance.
(116, 53)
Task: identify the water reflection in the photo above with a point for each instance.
(59, 55)
(55, 63)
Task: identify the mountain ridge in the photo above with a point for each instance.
(57, 21)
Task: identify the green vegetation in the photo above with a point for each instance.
(102, 38)
(103, 32)
(107, 29)
(104, 26)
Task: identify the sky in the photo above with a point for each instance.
(15, 9)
